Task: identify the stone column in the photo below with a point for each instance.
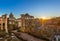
(1, 24)
(6, 29)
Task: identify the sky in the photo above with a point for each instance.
(36, 8)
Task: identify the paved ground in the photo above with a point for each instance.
(27, 37)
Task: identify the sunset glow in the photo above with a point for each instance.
(44, 18)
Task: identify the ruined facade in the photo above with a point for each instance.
(3, 23)
(26, 22)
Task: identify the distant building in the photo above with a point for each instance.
(11, 21)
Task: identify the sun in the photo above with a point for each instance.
(44, 18)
